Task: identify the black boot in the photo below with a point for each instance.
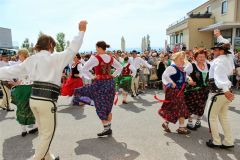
(24, 134)
(191, 127)
(105, 133)
(198, 124)
(32, 131)
(210, 144)
(226, 147)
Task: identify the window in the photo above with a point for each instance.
(176, 38)
(238, 32)
(209, 9)
(224, 7)
(181, 37)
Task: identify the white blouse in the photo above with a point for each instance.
(93, 61)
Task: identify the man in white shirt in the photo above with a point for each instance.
(137, 62)
(220, 85)
(45, 70)
(4, 87)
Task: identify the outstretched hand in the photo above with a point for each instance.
(82, 26)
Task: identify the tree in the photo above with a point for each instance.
(26, 43)
(60, 42)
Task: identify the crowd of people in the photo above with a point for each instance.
(187, 77)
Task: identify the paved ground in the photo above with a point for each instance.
(137, 135)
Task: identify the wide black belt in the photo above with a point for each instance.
(213, 88)
(45, 90)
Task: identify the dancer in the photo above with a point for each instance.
(125, 78)
(5, 86)
(20, 97)
(45, 70)
(74, 80)
(220, 85)
(196, 96)
(174, 107)
(136, 62)
(101, 91)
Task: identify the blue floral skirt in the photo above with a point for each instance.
(101, 92)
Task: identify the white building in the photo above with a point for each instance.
(5, 38)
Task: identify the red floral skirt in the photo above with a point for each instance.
(174, 109)
(196, 100)
(70, 85)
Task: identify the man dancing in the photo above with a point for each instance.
(45, 70)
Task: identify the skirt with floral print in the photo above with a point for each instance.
(196, 100)
(101, 92)
(175, 108)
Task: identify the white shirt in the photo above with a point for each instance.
(170, 70)
(44, 66)
(137, 62)
(93, 61)
(220, 69)
(14, 62)
(220, 39)
(3, 64)
(189, 68)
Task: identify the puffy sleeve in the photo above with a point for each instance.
(167, 73)
(85, 69)
(188, 69)
(118, 68)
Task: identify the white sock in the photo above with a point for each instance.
(24, 128)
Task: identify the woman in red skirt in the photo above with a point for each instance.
(174, 108)
(74, 80)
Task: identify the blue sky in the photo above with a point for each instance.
(108, 20)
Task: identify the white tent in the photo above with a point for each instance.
(123, 47)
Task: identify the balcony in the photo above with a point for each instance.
(187, 18)
(205, 15)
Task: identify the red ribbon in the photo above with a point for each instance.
(167, 101)
(161, 100)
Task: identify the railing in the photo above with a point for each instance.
(178, 21)
(198, 15)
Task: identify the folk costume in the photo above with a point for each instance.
(219, 82)
(44, 70)
(101, 91)
(196, 96)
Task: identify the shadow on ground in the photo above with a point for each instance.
(76, 111)
(132, 107)
(195, 145)
(105, 149)
(18, 147)
(3, 115)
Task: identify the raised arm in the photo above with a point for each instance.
(67, 55)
